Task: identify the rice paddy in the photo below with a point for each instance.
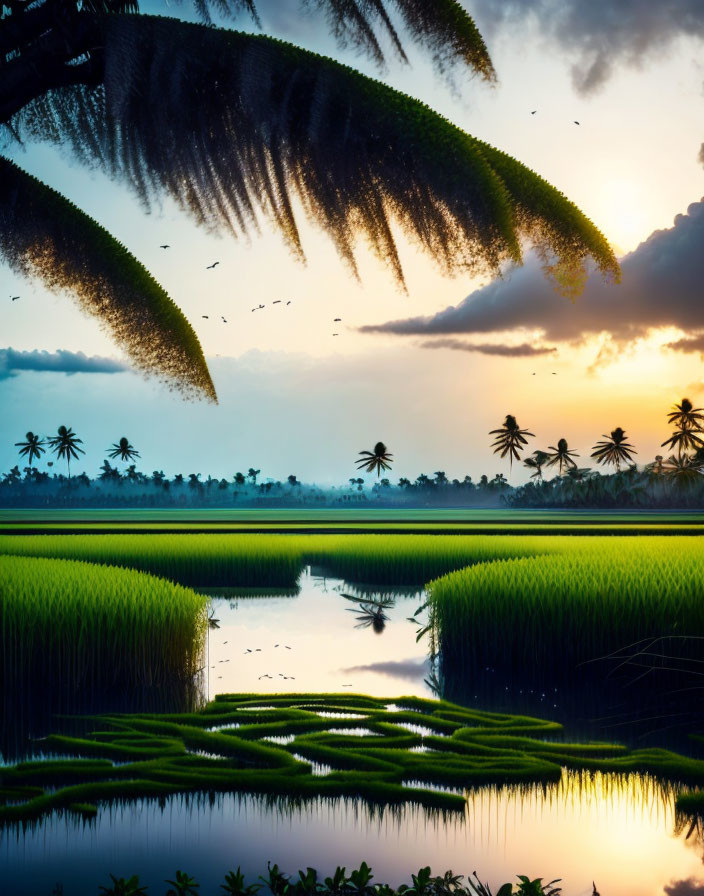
(83, 626)
(548, 615)
(147, 755)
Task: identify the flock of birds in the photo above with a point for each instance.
(212, 266)
(249, 650)
(573, 122)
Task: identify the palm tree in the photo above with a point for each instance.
(685, 416)
(562, 456)
(65, 444)
(614, 449)
(536, 462)
(32, 447)
(252, 474)
(510, 439)
(683, 469)
(107, 82)
(379, 459)
(123, 450)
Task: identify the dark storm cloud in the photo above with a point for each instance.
(662, 286)
(688, 344)
(689, 887)
(524, 350)
(602, 33)
(61, 361)
(411, 669)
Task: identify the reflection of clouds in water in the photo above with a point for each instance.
(411, 668)
(689, 887)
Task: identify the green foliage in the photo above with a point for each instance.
(125, 758)
(43, 235)
(261, 560)
(184, 885)
(85, 626)
(550, 614)
(124, 887)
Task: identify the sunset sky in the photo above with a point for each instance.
(432, 371)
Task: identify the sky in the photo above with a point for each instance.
(429, 372)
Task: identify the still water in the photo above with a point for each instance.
(620, 832)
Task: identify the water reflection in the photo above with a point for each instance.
(620, 831)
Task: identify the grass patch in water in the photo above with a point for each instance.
(90, 627)
(163, 754)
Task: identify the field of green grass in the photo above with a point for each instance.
(554, 612)
(82, 627)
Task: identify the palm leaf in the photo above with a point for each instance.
(45, 236)
(235, 127)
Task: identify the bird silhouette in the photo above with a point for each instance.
(224, 642)
(576, 122)
(288, 303)
(211, 266)
(248, 650)
(277, 302)
(553, 373)
(261, 306)
(257, 650)
(224, 321)
(336, 320)
(14, 298)
(205, 316)
(165, 246)
(533, 374)
(335, 334)
(276, 645)
(534, 111)
(254, 309)
(287, 647)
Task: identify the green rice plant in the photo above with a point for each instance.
(95, 628)
(546, 617)
(125, 758)
(263, 561)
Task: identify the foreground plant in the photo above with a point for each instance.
(357, 883)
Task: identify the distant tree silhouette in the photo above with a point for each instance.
(614, 450)
(379, 459)
(252, 475)
(65, 444)
(562, 456)
(510, 439)
(123, 450)
(32, 447)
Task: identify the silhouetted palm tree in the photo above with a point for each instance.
(107, 81)
(562, 456)
(510, 439)
(684, 439)
(683, 469)
(379, 459)
(123, 450)
(614, 449)
(536, 462)
(65, 445)
(252, 474)
(32, 447)
(685, 416)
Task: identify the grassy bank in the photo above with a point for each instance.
(76, 625)
(264, 561)
(548, 614)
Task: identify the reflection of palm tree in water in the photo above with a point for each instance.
(370, 611)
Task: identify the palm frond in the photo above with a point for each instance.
(43, 235)
(236, 127)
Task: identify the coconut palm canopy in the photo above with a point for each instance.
(66, 445)
(238, 127)
(123, 450)
(614, 450)
(562, 456)
(32, 447)
(379, 459)
(510, 439)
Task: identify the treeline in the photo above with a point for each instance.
(579, 488)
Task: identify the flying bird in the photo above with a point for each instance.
(165, 246)
(261, 306)
(224, 321)
(277, 302)
(576, 122)
(534, 111)
(205, 316)
(211, 266)
(14, 298)
(288, 303)
(335, 334)
(336, 320)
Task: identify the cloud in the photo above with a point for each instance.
(524, 350)
(661, 287)
(688, 344)
(602, 33)
(60, 361)
(689, 887)
(410, 669)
